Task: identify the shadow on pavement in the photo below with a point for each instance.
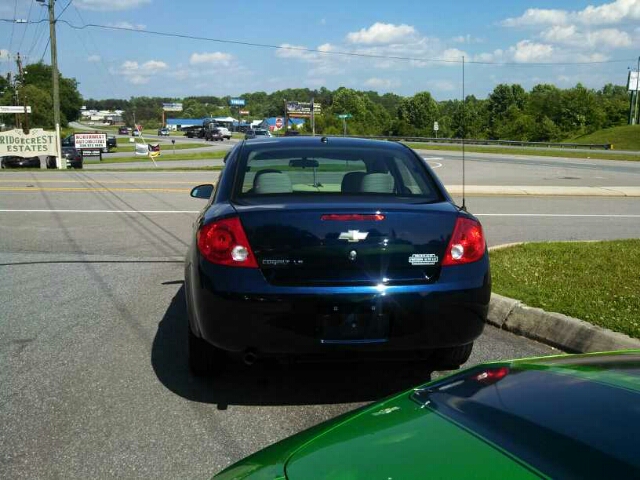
(270, 382)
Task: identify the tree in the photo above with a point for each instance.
(419, 111)
(38, 75)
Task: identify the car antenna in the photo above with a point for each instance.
(464, 134)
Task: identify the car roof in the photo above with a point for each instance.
(347, 142)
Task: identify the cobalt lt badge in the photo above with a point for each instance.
(353, 255)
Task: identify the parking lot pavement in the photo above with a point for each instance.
(92, 331)
(95, 381)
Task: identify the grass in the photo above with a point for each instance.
(162, 158)
(598, 282)
(556, 152)
(164, 147)
(623, 138)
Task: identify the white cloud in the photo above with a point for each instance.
(381, 83)
(288, 50)
(128, 25)
(211, 58)
(538, 16)
(607, 14)
(4, 55)
(110, 5)
(526, 51)
(93, 58)
(322, 21)
(453, 55)
(139, 74)
(382, 33)
(571, 36)
(442, 85)
(466, 39)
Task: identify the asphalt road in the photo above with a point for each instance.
(92, 330)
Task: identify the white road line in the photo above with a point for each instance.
(98, 211)
(578, 215)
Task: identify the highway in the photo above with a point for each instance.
(92, 322)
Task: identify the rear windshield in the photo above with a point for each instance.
(267, 170)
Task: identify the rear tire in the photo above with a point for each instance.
(204, 358)
(451, 358)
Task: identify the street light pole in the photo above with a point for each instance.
(635, 112)
(55, 78)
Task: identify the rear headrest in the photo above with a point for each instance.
(271, 182)
(351, 182)
(377, 183)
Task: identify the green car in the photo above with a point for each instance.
(570, 416)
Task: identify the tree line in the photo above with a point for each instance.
(544, 113)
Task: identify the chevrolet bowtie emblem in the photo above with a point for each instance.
(353, 236)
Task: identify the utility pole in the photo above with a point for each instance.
(635, 112)
(55, 78)
(24, 96)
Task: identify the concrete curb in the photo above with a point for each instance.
(560, 331)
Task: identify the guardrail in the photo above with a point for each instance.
(475, 141)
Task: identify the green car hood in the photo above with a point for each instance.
(398, 440)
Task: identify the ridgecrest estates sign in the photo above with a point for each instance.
(36, 142)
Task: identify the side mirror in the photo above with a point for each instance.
(202, 191)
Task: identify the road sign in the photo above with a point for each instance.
(20, 144)
(236, 102)
(632, 82)
(436, 127)
(279, 122)
(90, 141)
(302, 109)
(172, 107)
(345, 115)
(13, 109)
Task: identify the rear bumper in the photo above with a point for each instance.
(237, 310)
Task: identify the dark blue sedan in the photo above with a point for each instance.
(315, 247)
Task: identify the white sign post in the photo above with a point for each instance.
(436, 127)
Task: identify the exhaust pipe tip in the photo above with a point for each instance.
(249, 358)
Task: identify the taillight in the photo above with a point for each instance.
(225, 243)
(467, 243)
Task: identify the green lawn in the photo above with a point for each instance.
(125, 146)
(162, 158)
(598, 282)
(623, 138)
(553, 152)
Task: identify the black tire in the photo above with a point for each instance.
(451, 358)
(204, 358)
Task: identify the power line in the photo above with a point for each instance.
(332, 52)
(44, 52)
(13, 25)
(64, 9)
(26, 27)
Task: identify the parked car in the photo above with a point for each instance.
(112, 143)
(322, 246)
(124, 131)
(72, 156)
(163, 132)
(258, 132)
(11, 161)
(213, 134)
(567, 416)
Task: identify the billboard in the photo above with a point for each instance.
(172, 107)
(20, 144)
(90, 140)
(632, 81)
(302, 109)
(236, 102)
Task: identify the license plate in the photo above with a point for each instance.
(354, 328)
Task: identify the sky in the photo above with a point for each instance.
(502, 41)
